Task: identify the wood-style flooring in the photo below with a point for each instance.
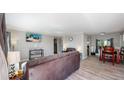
(93, 69)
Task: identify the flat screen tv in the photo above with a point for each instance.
(33, 37)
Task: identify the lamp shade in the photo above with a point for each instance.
(13, 57)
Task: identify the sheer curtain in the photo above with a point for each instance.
(3, 49)
(3, 66)
(3, 40)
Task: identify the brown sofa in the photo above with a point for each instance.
(55, 67)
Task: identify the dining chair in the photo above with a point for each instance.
(101, 54)
(120, 55)
(108, 54)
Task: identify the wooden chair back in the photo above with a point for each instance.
(109, 49)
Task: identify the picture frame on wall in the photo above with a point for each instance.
(33, 37)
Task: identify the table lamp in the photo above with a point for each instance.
(13, 57)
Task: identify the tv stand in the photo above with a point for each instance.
(36, 53)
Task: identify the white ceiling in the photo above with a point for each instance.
(66, 23)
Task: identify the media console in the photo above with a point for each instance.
(35, 53)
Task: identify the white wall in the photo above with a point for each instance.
(77, 42)
(24, 47)
(59, 45)
(86, 42)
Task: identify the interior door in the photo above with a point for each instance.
(55, 46)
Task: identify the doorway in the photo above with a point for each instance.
(55, 45)
(87, 50)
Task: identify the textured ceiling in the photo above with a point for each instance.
(66, 23)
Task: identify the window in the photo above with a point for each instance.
(105, 43)
(102, 43)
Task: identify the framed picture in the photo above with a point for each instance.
(33, 37)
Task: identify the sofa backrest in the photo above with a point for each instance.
(55, 67)
(70, 49)
(50, 58)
